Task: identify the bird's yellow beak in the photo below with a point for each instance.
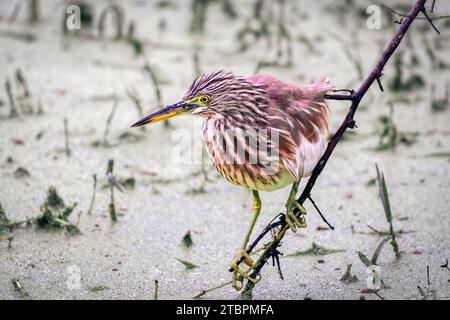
(168, 112)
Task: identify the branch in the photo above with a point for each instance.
(355, 97)
(418, 18)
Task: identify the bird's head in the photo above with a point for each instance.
(217, 93)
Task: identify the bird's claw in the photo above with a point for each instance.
(239, 274)
(293, 220)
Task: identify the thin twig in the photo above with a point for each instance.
(66, 138)
(155, 293)
(91, 205)
(155, 82)
(418, 18)
(320, 213)
(380, 85)
(203, 292)
(108, 124)
(13, 113)
(445, 266)
(133, 95)
(112, 206)
(430, 20)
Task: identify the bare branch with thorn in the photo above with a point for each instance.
(280, 226)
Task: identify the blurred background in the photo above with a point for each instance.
(76, 74)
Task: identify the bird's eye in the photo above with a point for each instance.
(203, 99)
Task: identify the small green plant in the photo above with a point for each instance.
(187, 240)
(135, 43)
(389, 136)
(55, 214)
(188, 265)
(315, 250)
(384, 196)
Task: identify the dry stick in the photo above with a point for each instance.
(155, 294)
(33, 11)
(196, 61)
(133, 95)
(66, 138)
(348, 122)
(117, 11)
(445, 265)
(112, 206)
(108, 124)
(10, 240)
(155, 83)
(320, 213)
(430, 20)
(91, 205)
(203, 292)
(14, 13)
(13, 112)
(22, 83)
(23, 93)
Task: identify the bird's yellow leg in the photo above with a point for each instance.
(240, 274)
(293, 220)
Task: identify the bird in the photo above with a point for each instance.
(261, 133)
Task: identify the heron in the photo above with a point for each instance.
(261, 133)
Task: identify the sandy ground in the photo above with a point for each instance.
(81, 78)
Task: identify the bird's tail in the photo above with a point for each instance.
(317, 96)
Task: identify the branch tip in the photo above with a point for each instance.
(380, 85)
(430, 20)
(320, 213)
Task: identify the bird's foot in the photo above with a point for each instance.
(239, 274)
(295, 219)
